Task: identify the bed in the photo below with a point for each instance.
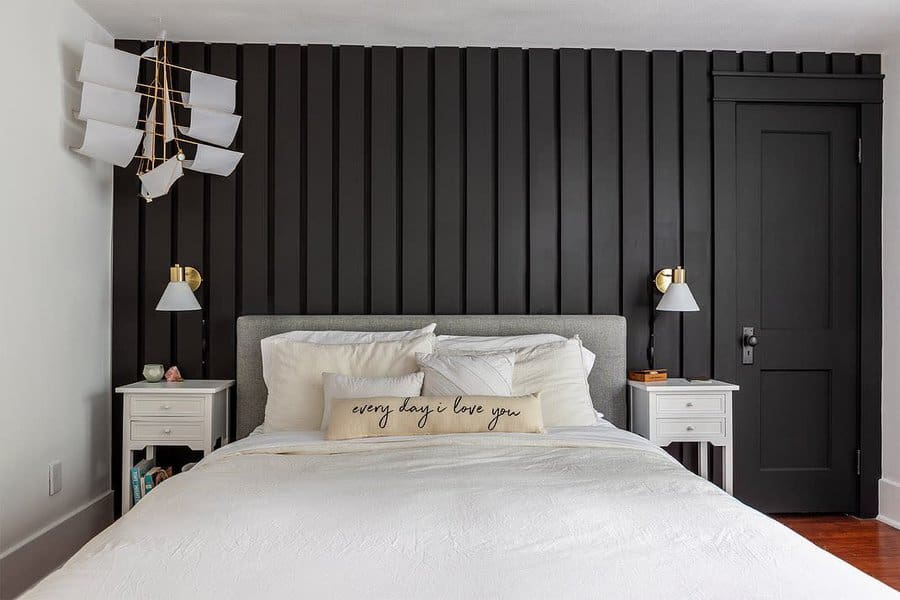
(578, 512)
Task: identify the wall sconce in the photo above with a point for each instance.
(677, 297)
(179, 294)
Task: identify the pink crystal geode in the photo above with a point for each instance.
(173, 374)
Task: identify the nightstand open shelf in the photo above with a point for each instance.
(192, 413)
(678, 410)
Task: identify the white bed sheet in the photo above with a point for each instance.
(587, 512)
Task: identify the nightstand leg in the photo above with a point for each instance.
(127, 463)
(728, 467)
(703, 457)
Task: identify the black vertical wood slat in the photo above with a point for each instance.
(512, 182)
(286, 196)
(725, 60)
(352, 223)
(253, 84)
(575, 206)
(814, 62)
(385, 182)
(844, 63)
(870, 64)
(697, 211)
(126, 292)
(320, 226)
(636, 204)
(605, 183)
(666, 102)
(449, 201)
(725, 348)
(221, 272)
(543, 182)
(416, 202)
(481, 183)
(157, 225)
(785, 62)
(756, 62)
(190, 242)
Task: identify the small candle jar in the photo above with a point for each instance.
(153, 372)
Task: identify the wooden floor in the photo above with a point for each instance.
(867, 544)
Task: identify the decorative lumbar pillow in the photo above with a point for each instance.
(293, 374)
(424, 415)
(347, 386)
(467, 375)
(556, 372)
(460, 344)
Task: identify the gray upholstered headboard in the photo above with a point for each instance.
(602, 334)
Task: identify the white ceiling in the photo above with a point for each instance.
(835, 25)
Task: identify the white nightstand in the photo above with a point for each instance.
(191, 413)
(678, 410)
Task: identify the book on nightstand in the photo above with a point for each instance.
(138, 483)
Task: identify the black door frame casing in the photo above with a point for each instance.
(864, 91)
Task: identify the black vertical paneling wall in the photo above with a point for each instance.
(436, 180)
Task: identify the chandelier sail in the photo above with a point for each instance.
(112, 99)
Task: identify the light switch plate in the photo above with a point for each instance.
(55, 477)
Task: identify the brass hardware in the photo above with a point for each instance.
(188, 274)
(690, 427)
(666, 277)
(193, 278)
(167, 431)
(663, 279)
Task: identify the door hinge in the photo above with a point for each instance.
(859, 150)
(859, 462)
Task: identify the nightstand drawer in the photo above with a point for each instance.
(163, 405)
(165, 430)
(690, 428)
(690, 403)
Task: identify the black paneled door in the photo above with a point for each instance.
(797, 286)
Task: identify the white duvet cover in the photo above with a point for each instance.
(588, 512)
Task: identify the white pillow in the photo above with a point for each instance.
(354, 337)
(338, 386)
(293, 374)
(467, 375)
(556, 372)
(488, 343)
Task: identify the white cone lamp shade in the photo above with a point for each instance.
(179, 294)
(678, 296)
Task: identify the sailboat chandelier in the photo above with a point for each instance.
(112, 101)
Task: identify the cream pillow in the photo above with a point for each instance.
(424, 415)
(346, 386)
(293, 374)
(354, 337)
(556, 372)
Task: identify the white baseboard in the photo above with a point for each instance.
(37, 556)
(889, 502)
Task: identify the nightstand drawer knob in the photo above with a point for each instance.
(166, 407)
(690, 428)
(167, 431)
(689, 404)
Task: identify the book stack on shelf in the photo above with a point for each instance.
(145, 476)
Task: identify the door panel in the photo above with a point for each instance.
(797, 281)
